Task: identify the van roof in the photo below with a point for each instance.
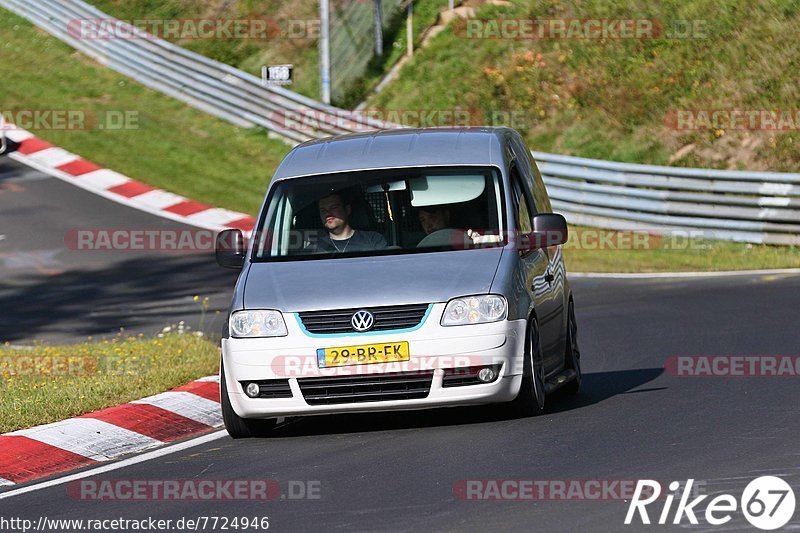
(394, 149)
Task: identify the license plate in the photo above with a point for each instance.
(364, 354)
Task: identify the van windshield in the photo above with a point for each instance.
(382, 212)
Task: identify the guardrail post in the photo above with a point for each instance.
(378, 18)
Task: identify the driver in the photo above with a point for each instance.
(334, 212)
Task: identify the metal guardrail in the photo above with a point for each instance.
(757, 207)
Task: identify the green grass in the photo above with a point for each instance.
(610, 99)
(173, 147)
(45, 383)
(598, 250)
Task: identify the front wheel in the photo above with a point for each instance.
(531, 398)
(238, 427)
(572, 354)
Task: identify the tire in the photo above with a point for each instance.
(572, 353)
(531, 398)
(236, 426)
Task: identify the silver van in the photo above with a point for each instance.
(400, 269)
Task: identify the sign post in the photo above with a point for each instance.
(378, 18)
(410, 29)
(325, 51)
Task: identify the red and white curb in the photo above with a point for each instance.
(110, 433)
(73, 169)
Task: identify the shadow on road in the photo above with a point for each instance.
(139, 294)
(596, 388)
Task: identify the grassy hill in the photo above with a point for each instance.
(613, 98)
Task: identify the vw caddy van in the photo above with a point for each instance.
(395, 270)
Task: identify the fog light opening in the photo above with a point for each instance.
(486, 374)
(252, 390)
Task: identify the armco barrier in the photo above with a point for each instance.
(757, 207)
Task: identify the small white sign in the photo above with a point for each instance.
(277, 74)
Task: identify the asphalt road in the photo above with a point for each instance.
(55, 289)
(397, 472)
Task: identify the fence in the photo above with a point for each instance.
(757, 207)
(352, 40)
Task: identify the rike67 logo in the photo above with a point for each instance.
(768, 503)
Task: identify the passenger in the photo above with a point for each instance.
(334, 212)
(434, 218)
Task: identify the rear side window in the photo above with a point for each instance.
(530, 172)
(539, 191)
(521, 207)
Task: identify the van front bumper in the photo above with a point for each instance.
(433, 350)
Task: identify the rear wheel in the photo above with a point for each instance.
(572, 355)
(531, 398)
(238, 427)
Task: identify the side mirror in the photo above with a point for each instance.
(229, 248)
(7, 145)
(549, 229)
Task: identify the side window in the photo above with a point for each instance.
(539, 191)
(531, 174)
(523, 212)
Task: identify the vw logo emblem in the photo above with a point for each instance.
(362, 321)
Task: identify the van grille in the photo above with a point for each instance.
(386, 318)
(366, 388)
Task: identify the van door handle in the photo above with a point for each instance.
(548, 275)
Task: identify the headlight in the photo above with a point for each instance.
(474, 310)
(257, 323)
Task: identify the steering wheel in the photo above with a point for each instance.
(444, 237)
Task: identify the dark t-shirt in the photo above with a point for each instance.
(360, 241)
